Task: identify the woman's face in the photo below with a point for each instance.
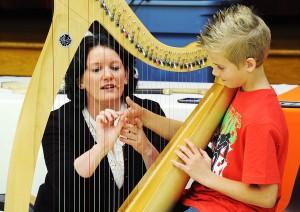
(105, 76)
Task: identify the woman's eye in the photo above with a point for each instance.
(221, 68)
(115, 68)
(96, 69)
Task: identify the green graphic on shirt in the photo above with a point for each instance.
(231, 122)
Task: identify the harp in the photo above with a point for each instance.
(71, 20)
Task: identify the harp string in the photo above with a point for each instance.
(73, 18)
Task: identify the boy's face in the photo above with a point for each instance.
(231, 75)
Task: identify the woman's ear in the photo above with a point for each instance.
(126, 76)
(250, 64)
(80, 83)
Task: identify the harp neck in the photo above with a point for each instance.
(121, 22)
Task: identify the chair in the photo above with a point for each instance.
(2, 202)
(292, 116)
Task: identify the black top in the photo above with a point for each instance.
(66, 137)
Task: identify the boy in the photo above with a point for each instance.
(246, 169)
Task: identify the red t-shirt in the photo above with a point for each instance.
(251, 148)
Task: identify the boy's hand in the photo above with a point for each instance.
(196, 162)
(135, 109)
(133, 134)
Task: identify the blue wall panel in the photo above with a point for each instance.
(175, 23)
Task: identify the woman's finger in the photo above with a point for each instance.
(110, 114)
(101, 118)
(122, 121)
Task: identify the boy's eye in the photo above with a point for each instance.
(215, 66)
(219, 67)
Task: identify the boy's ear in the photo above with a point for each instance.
(250, 64)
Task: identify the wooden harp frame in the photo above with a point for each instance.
(71, 20)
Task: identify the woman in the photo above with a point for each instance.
(89, 167)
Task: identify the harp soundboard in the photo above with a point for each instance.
(71, 20)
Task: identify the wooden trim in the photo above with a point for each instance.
(283, 66)
(21, 45)
(19, 59)
(284, 52)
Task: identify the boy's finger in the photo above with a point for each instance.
(178, 165)
(185, 150)
(139, 123)
(203, 153)
(192, 146)
(130, 102)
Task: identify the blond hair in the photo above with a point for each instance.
(238, 33)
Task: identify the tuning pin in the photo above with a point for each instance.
(102, 3)
(191, 66)
(129, 37)
(157, 61)
(117, 22)
(202, 61)
(141, 50)
(187, 67)
(173, 65)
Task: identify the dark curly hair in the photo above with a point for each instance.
(78, 66)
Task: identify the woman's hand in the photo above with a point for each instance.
(106, 132)
(106, 135)
(134, 135)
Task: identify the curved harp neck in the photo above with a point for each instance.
(121, 22)
(75, 17)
